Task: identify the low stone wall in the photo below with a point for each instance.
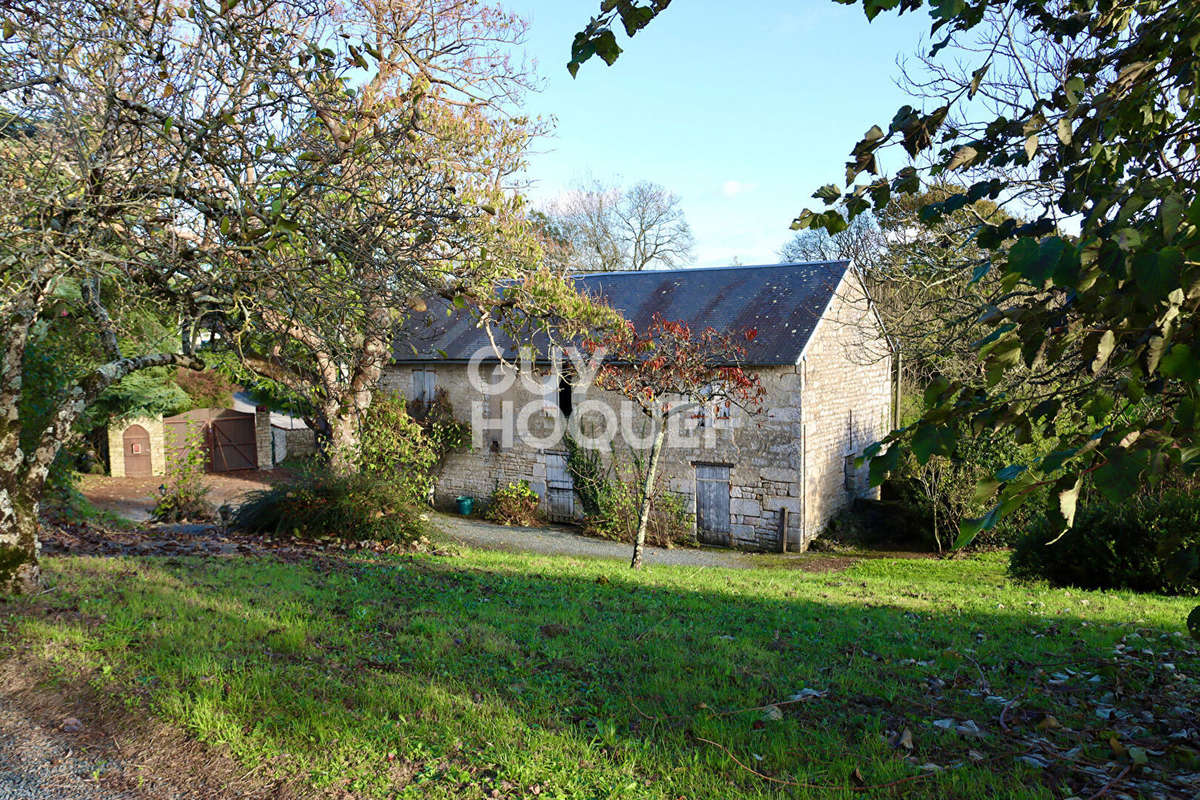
(300, 443)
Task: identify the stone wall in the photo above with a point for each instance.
(847, 371)
(116, 445)
(762, 450)
(299, 442)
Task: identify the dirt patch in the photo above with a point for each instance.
(63, 539)
(134, 498)
(70, 741)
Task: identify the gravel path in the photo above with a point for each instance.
(37, 763)
(566, 542)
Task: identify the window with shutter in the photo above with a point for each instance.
(424, 385)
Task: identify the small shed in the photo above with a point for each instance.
(232, 440)
(136, 447)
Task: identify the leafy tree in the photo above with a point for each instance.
(666, 371)
(1104, 319)
(278, 172)
(610, 229)
(919, 276)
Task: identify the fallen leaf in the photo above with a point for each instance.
(968, 728)
(905, 740)
(1049, 722)
(1117, 748)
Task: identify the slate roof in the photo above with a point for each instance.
(782, 301)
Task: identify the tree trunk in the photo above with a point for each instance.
(639, 541)
(19, 547)
(343, 440)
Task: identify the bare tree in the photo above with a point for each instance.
(862, 242)
(613, 229)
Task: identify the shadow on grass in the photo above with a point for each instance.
(552, 677)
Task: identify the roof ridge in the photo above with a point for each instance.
(841, 262)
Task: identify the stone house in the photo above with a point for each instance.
(820, 352)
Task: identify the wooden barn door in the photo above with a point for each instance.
(560, 489)
(136, 443)
(712, 503)
(233, 442)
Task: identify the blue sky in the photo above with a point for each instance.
(741, 108)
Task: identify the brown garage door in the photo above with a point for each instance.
(136, 442)
(181, 430)
(232, 442)
(228, 437)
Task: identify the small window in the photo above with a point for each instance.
(424, 385)
(851, 474)
(565, 398)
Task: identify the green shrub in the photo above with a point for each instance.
(184, 494)
(887, 523)
(589, 476)
(670, 523)
(206, 388)
(359, 507)
(515, 504)
(611, 502)
(1148, 544)
(408, 443)
(445, 433)
(393, 448)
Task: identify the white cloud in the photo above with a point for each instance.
(734, 188)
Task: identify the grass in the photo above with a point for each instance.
(554, 677)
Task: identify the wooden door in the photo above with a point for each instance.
(712, 503)
(136, 443)
(560, 489)
(233, 442)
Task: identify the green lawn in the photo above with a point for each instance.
(552, 677)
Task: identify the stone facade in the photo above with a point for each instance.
(848, 388)
(116, 445)
(792, 454)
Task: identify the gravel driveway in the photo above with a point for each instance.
(37, 763)
(566, 542)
